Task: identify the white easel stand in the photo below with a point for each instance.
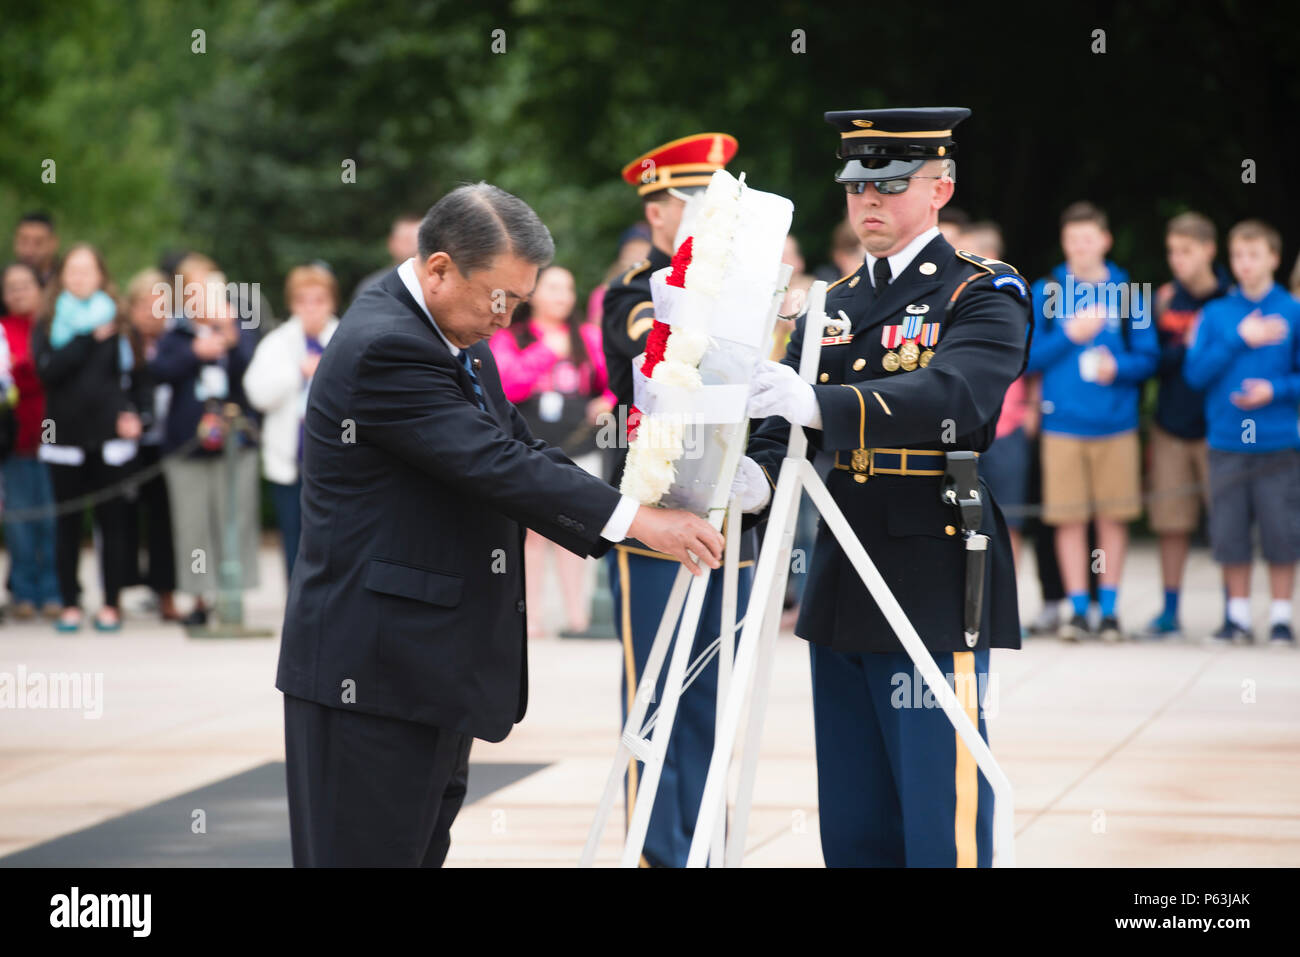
(652, 750)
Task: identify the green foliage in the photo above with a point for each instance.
(239, 151)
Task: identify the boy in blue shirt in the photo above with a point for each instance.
(1179, 457)
(1095, 345)
(1246, 355)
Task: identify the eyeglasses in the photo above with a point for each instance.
(885, 187)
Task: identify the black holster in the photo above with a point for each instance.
(961, 487)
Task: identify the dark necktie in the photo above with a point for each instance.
(469, 367)
(880, 271)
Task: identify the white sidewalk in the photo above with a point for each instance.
(1170, 754)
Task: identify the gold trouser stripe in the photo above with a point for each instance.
(629, 664)
(967, 780)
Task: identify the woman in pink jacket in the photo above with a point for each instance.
(553, 369)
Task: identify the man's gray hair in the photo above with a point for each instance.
(476, 222)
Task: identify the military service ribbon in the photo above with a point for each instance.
(929, 336)
(890, 337)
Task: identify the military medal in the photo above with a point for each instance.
(929, 336)
(909, 353)
(890, 337)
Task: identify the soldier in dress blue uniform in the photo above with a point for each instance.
(936, 337)
(641, 579)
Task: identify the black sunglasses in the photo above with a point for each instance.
(885, 187)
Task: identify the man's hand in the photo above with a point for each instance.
(1253, 394)
(1258, 330)
(778, 390)
(209, 348)
(685, 536)
(1085, 325)
(128, 425)
(750, 486)
(1106, 366)
(598, 407)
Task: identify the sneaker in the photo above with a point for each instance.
(1075, 629)
(196, 618)
(1280, 636)
(1048, 621)
(107, 619)
(1230, 633)
(68, 621)
(1110, 629)
(1163, 626)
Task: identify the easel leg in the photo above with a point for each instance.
(726, 654)
(766, 576)
(662, 734)
(636, 714)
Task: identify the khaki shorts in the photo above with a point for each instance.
(1179, 475)
(1084, 477)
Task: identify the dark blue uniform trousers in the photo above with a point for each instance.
(896, 787)
(640, 586)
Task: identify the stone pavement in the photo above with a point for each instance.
(1169, 754)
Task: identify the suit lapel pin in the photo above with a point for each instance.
(478, 364)
(927, 269)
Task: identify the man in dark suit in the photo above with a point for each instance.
(404, 633)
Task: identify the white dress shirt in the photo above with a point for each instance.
(903, 258)
(624, 513)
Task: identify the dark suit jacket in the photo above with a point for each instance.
(408, 587)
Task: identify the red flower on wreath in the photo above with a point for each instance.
(657, 341)
(681, 259)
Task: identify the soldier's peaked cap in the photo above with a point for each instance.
(685, 163)
(889, 144)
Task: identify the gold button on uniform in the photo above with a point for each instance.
(927, 269)
(949, 530)
(824, 377)
(859, 479)
(859, 364)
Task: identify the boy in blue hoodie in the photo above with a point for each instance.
(1095, 345)
(1246, 356)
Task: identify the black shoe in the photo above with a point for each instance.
(199, 616)
(1075, 629)
(1280, 635)
(1110, 629)
(1229, 633)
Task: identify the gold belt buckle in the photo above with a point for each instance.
(862, 461)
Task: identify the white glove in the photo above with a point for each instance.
(750, 487)
(778, 390)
